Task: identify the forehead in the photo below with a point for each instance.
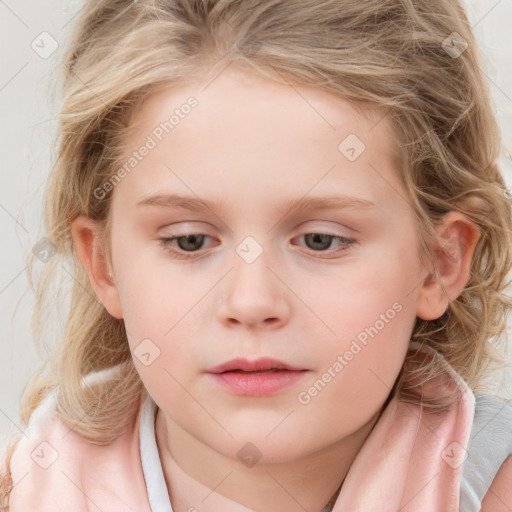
(239, 98)
(246, 130)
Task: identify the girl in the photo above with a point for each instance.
(290, 242)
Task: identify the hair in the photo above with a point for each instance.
(388, 56)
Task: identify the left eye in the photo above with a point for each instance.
(321, 242)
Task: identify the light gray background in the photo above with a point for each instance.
(27, 128)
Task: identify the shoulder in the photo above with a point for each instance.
(499, 494)
(46, 448)
(52, 463)
(494, 428)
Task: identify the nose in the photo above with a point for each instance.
(255, 297)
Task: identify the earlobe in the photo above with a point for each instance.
(87, 241)
(452, 255)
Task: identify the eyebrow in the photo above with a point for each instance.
(317, 203)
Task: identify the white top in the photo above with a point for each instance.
(151, 466)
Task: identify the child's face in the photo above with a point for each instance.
(259, 284)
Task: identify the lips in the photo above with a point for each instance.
(259, 365)
(262, 377)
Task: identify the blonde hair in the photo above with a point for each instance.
(391, 56)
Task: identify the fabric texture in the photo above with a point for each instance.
(413, 460)
(489, 446)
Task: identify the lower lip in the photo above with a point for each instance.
(257, 383)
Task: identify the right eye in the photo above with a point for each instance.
(189, 243)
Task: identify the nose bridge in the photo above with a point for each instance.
(252, 278)
(254, 294)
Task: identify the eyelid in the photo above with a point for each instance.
(184, 229)
(301, 231)
(320, 227)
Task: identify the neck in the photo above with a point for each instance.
(307, 483)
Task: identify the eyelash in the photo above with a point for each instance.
(167, 241)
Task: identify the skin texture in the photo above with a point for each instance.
(253, 145)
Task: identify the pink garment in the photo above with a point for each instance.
(56, 469)
(411, 461)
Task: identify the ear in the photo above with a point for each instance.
(87, 241)
(452, 253)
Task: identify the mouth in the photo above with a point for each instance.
(261, 377)
(261, 365)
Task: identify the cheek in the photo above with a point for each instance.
(370, 311)
(359, 368)
(158, 308)
(152, 291)
(365, 292)
(158, 311)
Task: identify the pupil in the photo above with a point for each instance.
(318, 238)
(191, 242)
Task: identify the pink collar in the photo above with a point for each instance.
(412, 459)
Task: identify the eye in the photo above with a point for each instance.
(321, 242)
(190, 243)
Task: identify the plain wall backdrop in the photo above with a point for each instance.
(31, 34)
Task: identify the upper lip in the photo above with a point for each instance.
(262, 364)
